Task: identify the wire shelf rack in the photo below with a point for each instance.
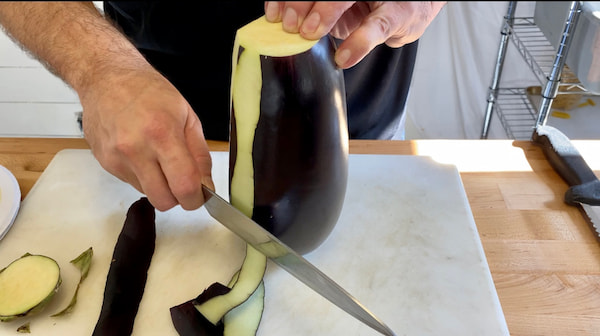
(516, 112)
(538, 52)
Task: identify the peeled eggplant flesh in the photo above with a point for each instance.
(250, 277)
(27, 285)
(245, 318)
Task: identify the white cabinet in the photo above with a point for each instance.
(33, 102)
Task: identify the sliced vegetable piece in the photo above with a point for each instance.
(188, 321)
(24, 329)
(27, 285)
(82, 262)
(233, 279)
(128, 271)
(289, 137)
(244, 319)
(210, 307)
(250, 276)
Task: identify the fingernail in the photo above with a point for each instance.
(342, 56)
(290, 20)
(311, 23)
(272, 12)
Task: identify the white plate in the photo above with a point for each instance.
(10, 200)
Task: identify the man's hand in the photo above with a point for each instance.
(362, 25)
(145, 133)
(139, 127)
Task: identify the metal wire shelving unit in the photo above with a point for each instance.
(514, 106)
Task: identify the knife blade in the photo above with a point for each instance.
(288, 259)
(584, 190)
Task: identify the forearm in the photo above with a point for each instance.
(72, 39)
(138, 125)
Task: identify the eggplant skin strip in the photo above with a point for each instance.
(188, 321)
(128, 271)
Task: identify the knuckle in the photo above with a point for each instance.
(395, 42)
(187, 192)
(123, 146)
(155, 130)
(163, 204)
(382, 24)
(191, 205)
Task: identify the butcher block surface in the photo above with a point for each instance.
(406, 246)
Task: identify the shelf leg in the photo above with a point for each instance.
(551, 88)
(493, 89)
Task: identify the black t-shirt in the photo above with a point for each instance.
(191, 44)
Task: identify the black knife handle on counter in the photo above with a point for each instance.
(569, 164)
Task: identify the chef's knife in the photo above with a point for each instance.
(584, 187)
(288, 259)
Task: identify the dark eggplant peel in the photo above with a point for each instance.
(288, 163)
(128, 271)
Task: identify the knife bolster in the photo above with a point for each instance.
(588, 193)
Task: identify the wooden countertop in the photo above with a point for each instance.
(543, 255)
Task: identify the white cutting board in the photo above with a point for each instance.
(406, 246)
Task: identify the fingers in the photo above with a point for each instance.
(312, 20)
(322, 17)
(139, 164)
(156, 145)
(273, 11)
(185, 161)
(138, 167)
(362, 25)
(154, 185)
(168, 175)
(376, 28)
(291, 14)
